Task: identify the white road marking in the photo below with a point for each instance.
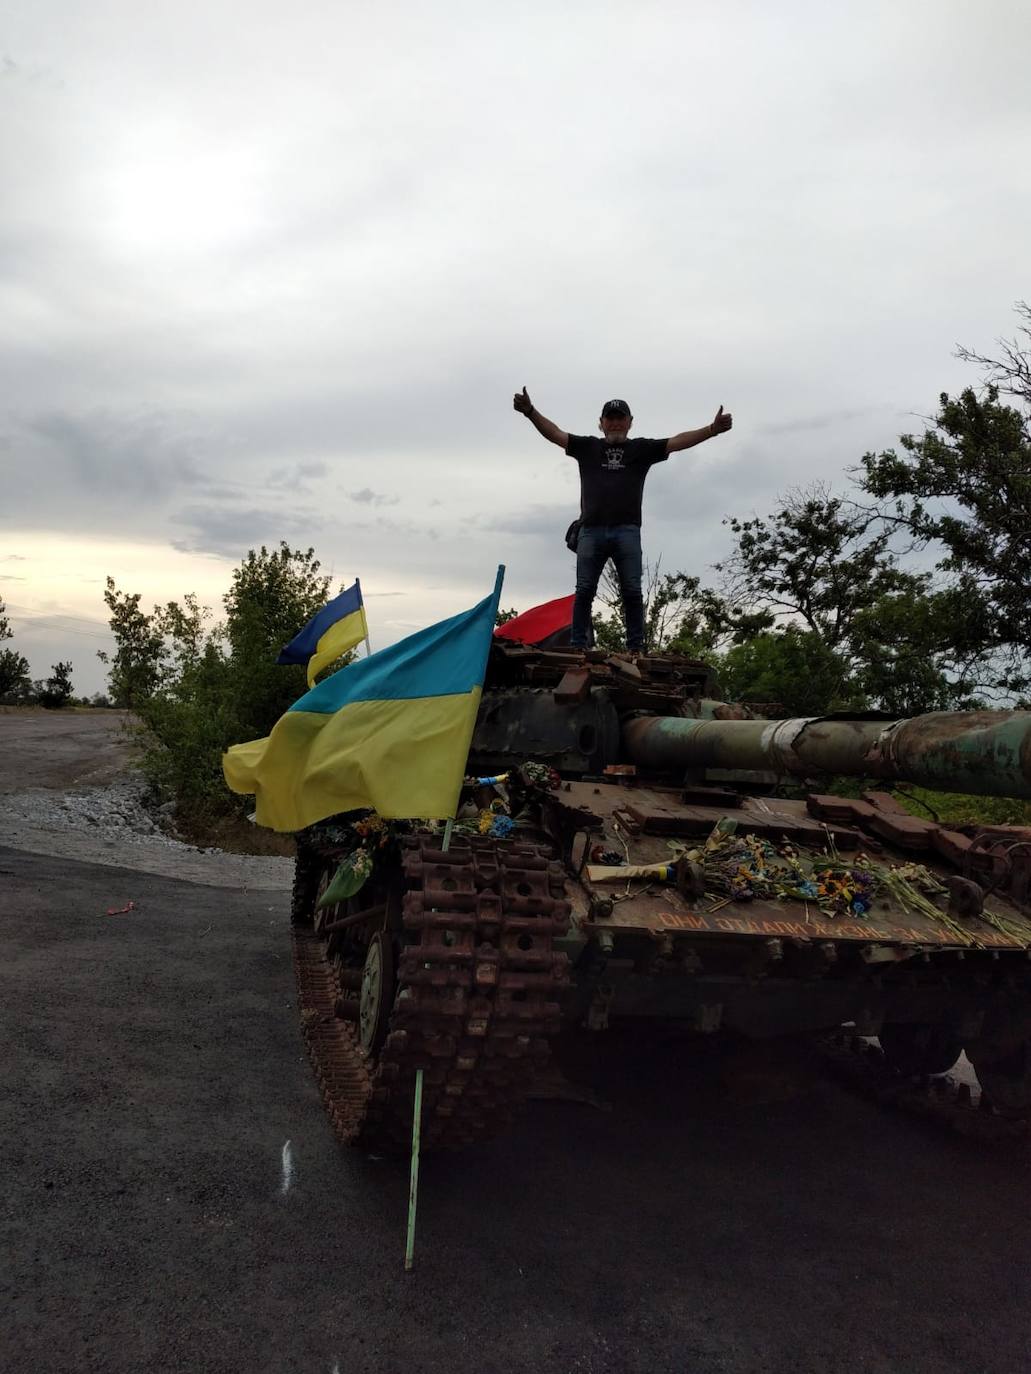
(288, 1168)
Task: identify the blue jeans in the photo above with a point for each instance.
(596, 545)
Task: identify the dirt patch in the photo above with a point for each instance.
(237, 835)
(57, 749)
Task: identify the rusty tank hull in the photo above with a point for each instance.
(631, 850)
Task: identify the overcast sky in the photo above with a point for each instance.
(274, 271)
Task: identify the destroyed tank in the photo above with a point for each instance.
(631, 850)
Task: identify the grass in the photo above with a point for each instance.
(959, 808)
(951, 808)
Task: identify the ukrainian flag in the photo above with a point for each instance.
(330, 633)
(391, 732)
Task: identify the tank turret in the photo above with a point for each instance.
(657, 715)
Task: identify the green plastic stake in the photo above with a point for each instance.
(413, 1184)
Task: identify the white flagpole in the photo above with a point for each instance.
(368, 646)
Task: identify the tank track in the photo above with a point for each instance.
(479, 992)
(862, 1067)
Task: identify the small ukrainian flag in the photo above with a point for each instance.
(391, 732)
(330, 633)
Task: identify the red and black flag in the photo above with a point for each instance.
(545, 627)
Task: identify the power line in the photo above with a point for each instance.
(28, 613)
(67, 630)
(34, 610)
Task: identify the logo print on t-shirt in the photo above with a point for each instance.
(613, 459)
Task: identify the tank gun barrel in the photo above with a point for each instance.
(982, 752)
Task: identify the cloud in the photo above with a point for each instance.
(815, 422)
(229, 532)
(537, 521)
(141, 451)
(368, 497)
(297, 477)
(11, 70)
(245, 302)
(98, 469)
(405, 534)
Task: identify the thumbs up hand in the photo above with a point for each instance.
(722, 422)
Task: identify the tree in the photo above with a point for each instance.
(826, 565)
(223, 686)
(14, 669)
(57, 690)
(274, 593)
(135, 670)
(819, 559)
(1011, 373)
(181, 626)
(918, 650)
(14, 675)
(965, 486)
(680, 615)
(792, 668)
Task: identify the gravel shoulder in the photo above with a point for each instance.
(69, 789)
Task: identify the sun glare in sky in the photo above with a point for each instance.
(165, 192)
(53, 587)
(55, 575)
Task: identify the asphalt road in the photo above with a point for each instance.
(152, 1073)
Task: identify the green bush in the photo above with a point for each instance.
(209, 689)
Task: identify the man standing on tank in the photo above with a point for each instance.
(612, 473)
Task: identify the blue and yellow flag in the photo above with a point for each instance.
(391, 732)
(339, 626)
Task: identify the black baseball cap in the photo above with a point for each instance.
(616, 408)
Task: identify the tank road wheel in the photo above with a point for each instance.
(1006, 1079)
(916, 1049)
(321, 916)
(376, 998)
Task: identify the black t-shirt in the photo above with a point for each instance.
(612, 476)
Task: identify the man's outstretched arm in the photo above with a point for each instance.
(522, 403)
(690, 437)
